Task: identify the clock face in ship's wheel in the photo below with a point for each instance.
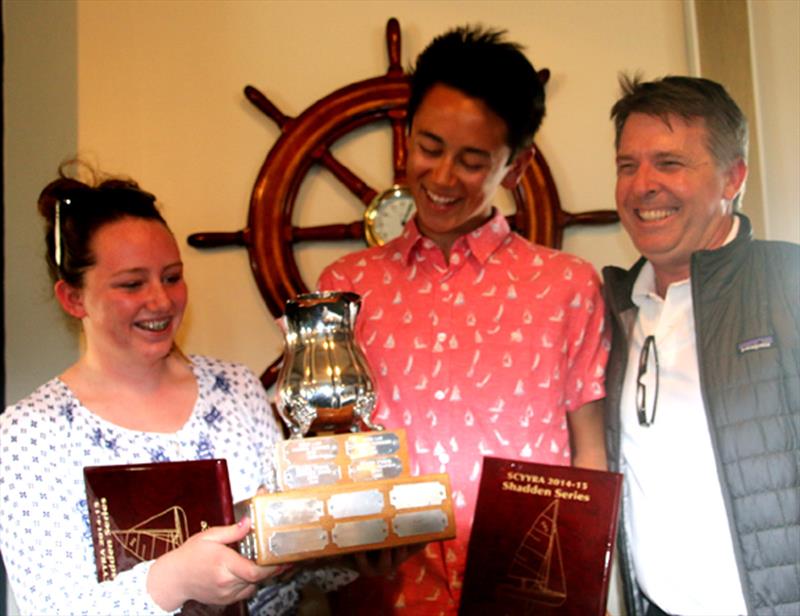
(306, 141)
(387, 214)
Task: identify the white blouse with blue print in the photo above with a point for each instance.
(46, 440)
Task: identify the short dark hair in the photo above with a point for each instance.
(689, 98)
(81, 209)
(482, 65)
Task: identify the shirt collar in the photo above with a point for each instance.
(645, 285)
(482, 242)
(409, 239)
(733, 232)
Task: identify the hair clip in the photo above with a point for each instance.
(57, 231)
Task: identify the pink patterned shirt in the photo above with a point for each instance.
(481, 356)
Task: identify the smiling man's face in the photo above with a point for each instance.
(458, 157)
(673, 197)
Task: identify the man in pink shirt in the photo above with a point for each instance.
(481, 342)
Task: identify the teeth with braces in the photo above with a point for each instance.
(154, 326)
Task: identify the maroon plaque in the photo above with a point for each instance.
(138, 512)
(542, 540)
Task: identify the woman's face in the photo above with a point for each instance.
(133, 298)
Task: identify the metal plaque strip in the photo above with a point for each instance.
(363, 532)
(309, 475)
(373, 469)
(351, 504)
(306, 451)
(419, 523)
(297, 541)
(427, 494)
(248, 547)
(293, 511)
(370, 444)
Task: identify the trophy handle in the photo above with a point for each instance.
(268, 378)
(270, 375)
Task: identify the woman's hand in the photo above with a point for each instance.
(206, 569)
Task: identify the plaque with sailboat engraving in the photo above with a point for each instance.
(137, 512)
(542, 540)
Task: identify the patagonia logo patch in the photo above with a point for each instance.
(756, 344)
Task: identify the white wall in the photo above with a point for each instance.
(775, 40)
(40, 107)
(160, 91)
(40, 128)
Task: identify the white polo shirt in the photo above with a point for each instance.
(676, 521)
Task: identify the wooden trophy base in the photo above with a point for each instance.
(344, 493)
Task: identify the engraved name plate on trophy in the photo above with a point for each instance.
(341, 458)
(330, 520)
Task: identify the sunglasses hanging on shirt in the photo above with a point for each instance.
(648, 372)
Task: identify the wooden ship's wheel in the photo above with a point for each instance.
(306, 140)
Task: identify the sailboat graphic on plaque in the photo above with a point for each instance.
(157, 534)
(137, 512)
(536, 574)
(542, 540)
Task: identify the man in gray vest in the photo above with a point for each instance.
(703, 382)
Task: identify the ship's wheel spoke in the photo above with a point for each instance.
(591, 218)
(219, 239)
(396, 116)
(399, 145)
(341, 172)
(321, 233)
(266, 106)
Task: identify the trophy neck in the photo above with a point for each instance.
(322, 314)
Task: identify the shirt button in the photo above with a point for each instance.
(445, 286)
(441, 336)
(439, 395)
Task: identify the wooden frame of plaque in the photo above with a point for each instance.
(339, 519)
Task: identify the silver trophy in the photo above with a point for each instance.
(324, 381)
(344, 492)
